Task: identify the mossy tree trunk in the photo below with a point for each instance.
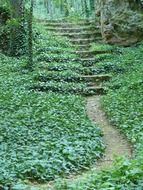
(86, 10)
(30, 37)
(18, 37)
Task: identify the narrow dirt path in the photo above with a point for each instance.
(115, 142)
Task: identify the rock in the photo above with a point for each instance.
(121, 21)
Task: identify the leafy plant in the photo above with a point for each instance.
(43, 135)
(124, 107)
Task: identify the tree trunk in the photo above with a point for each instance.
(17, 38)
(16, 8)
(30, 37)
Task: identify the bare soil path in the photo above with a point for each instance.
(115, 142)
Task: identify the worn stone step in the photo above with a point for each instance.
(59, 60)
(82, 41)
(82, 20)
(81, 35)
(92, 70)
(70, 59)
(85, 53)
(91, 53)
(56, 51)
(50, 21)
(66, 24)
(81, 46)
(58, 78)
(99, 39)
(81, 53)
(89, 59)
(95, 90)
(86, 91)
(95, 78)
(74, 30)
(86, 62)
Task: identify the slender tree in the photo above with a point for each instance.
(86, 9)
(17, 27)
(30, 36)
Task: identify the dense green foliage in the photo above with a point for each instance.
(58, 68)
(124, 107)
(42, 135)
(12, 31)
(4, 29)
(45, 133)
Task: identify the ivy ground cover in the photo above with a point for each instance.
(124, 106)
(42, 135)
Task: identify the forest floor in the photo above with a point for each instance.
(116, 143)
(66, 142)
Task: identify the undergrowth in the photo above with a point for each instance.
(43, 135)
(124, 107)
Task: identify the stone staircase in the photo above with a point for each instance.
(81, 35)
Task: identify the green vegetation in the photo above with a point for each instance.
(43, 135)
(124, 107)
(57, 67)
(99, 47)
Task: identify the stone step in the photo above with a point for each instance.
(95, 52)
(86, 61)
(81, 53)
(67, 24)
(96, 78)
(87, 91)
(50, 21)
(56, 51)
(81, 35)
(61, 60)
(99, 39)
(74, 30)
(81, 46)
(65, 20)
(61, 75)
(85, 53)
(91, 53)
(92, 70)
(95, 90)
(58, 78)
(82, 41)
(89, 59)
